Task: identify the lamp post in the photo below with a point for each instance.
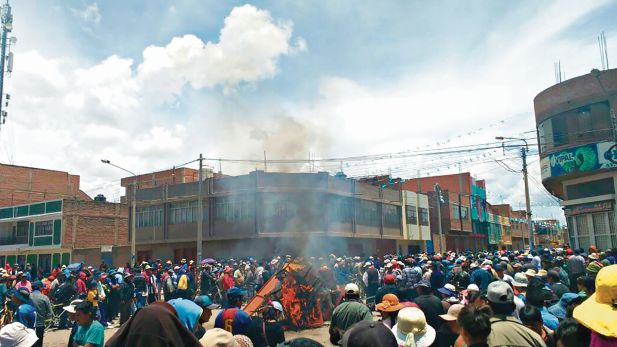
(524, 151)
(133, 206)
(6, 19)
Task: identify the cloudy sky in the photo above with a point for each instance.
(151, 84)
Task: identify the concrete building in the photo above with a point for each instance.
(416, 224)
(578, 154)
(46, 220)
(265, 213)
(456, 210)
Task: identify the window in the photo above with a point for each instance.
(412, 214)
(234, 209)
(367, 213)
(391, 216)
(184, 212)
(339, 209)
(582, 125)
(589, 189)
(149, 216)
(423, 216)
(45, 228)
(459, 212)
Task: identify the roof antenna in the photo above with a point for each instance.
(603, 51)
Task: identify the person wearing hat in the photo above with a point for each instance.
(368, 334)
(554, 282)
(207, 305)
(17, 335)
(449, 332)
(348, 313)
(233, 319)
(218, 338)
(429, 303)
(598, 312)
(25, 313)
(505, 329)
(520, 283)
(388, 308)
(480, 276)
(274, 330)
(411, 327)
(70, 313)
(43, 310)
(560, 309)
(22, 282)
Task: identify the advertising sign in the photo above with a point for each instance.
(588, 208)
(584, 158)
(607, 154)
(572, 160)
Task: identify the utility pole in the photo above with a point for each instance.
(437, 189)
(200, 211)
(133, 219)
(527, 203)
(7, 27)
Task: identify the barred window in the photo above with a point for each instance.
(45, 228)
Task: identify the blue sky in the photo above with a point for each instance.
(292, 77)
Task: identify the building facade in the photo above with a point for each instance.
(266, 213)
(578, 154)
(58, 232)
(416, 224)
(46, 220)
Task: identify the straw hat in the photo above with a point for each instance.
(453, 312)
(520, 280)
(598, 312)
(411, 323)
(389, 303)
(530, 273)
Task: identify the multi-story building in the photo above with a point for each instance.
(549, 233)
(416, 224)
(520, 229)
(578, 154)
(457, 210)
(46, 220)
(266, 213)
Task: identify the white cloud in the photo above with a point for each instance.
(90, 14)
(249, 46)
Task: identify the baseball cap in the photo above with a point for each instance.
(389, 278)
(453, 312)
(277, 306)
(473, 288)
(352, 288)
(235, 292)
(423, 283)
(368, 334)
(448, 289)
(499, 292)
(204, 301)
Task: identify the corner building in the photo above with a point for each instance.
(578, 154)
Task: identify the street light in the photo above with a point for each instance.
(437, 189)
(133, 206)
(527, 203)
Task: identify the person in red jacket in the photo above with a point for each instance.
(82, 289)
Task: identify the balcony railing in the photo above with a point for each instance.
(12, 240)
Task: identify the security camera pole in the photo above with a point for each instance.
(437, 189)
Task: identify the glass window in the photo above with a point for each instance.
(601, 231)
(589, 189)
(149, 216)
(423, 216)
(238, 208)
(411, 214)
(339, 209)
(45, 228)
(582, 125)
(367, 213)
(391, 216)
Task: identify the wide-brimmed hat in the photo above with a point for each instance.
(71, 308)
(412, 320)
(520, 280)
(530, 273)
(453, 312)
(593, 256)
(17, 335)
(389, 303)
(598, 312)
(218, 337)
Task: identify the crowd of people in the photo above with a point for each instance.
(550, 297)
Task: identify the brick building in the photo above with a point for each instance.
(45, 219)
(578, 154)
(266, 213)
